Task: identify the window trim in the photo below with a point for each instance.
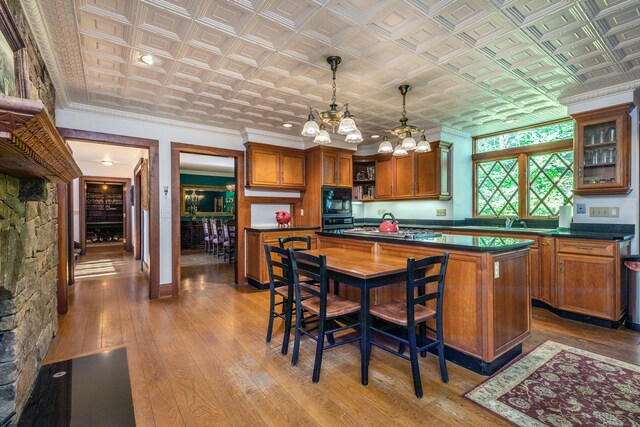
(521, 154)
(537, 125)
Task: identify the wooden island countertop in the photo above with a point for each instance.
(486, 311)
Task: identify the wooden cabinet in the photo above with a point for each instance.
(257, 272)
(547, 281)
(336, 169)
(416, 176)
(589, 277)
(602, 151)
(384, 177)
(269, 166)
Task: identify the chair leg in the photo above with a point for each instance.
(423, 337)
(402, 345)
(319, 348)
(272, 303)
(287, 324)
(296, 339)
(415, 368)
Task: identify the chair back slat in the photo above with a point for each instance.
(214, 228)
(312, 268)
(418, 280)
(298, 243)
(278, 265)
(205, 227)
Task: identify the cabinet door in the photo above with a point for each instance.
(403, 176)
(264, 168)
(426, 178)
(329, 169)
(585, 285)
(345, 176)
(383, 178)
(292, 170)
(547, 288)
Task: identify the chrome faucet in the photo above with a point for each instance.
(509, 220)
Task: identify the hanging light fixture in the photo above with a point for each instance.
(334, 117)
(385, 146)
(404, 131)
(423, 145)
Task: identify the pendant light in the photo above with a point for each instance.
(404, 131)
(323, 136)
(385, 146)
(423, 145)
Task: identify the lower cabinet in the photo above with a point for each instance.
(590, 278)
(257, 273)
(546, 283)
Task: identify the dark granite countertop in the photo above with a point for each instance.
(260, 228)
(445, 241)
(547, 232)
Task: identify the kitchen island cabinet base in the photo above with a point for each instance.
(604, 323)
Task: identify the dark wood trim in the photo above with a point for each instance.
(126, 182)
(10, 32)
(70, 240)
(107, 138)
(63, 242)
(549, 147)
(137, 232)
(154, 190)
(242, 212)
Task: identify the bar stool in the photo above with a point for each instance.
(412, 311)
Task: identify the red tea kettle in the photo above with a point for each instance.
(388, 226)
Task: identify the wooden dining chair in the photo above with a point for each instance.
(207, 236)
(280, 285)
(316, 300)
(290, 242)
(413, 310)
(216, 239)
(228, 243)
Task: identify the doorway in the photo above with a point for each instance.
(226, 206)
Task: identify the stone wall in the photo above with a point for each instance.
(28, 274)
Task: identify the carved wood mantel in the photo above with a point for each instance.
(30, 145)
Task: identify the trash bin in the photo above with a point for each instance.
(633, 281)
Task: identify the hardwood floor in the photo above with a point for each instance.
(201, 358)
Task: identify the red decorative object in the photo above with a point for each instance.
(388, 226)
(283, 218)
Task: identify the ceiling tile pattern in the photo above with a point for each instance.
(472, 64)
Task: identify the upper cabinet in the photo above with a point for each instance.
(416, 176)
(336, 168)
(269, 166)
(602, 151)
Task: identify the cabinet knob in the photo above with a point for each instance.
(561, 267)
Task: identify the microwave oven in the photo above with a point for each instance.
(336, 201)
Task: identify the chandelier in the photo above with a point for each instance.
(404, 133)
(334, 117)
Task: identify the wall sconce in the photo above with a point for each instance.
(166, 191)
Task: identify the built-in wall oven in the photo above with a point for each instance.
(336, 209)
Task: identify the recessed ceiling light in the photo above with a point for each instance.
(147, 59)
(107, 162)
(287, 125)
(510, 121)
(375, 136)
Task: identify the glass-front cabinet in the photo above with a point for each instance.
(602, 151)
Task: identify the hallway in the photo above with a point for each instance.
(201, 358)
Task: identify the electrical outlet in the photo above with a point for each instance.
(601, 212)
(441, 212)
(581, 208)
(381, 211)
(615, 212)
(301, 212)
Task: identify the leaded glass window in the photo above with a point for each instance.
(497, 187)
(550, 183)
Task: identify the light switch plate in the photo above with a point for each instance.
(615, 212)
(496, 269)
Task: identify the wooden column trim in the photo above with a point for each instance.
(63, 259)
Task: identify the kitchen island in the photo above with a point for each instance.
(486, 306)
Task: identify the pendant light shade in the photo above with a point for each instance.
(385, 146)
(408, 143)
(354, 137)
(423, 145)
(310, 128)
(323, 136)
(347, 124)
(399, 151)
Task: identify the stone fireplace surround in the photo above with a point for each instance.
(28, 274)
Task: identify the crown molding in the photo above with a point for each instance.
(33, 14)
(600, 93)
(273, 138)
(448, 134)
(84, 108)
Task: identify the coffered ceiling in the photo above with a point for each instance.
(473, 64)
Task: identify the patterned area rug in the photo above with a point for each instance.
(559, 385)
